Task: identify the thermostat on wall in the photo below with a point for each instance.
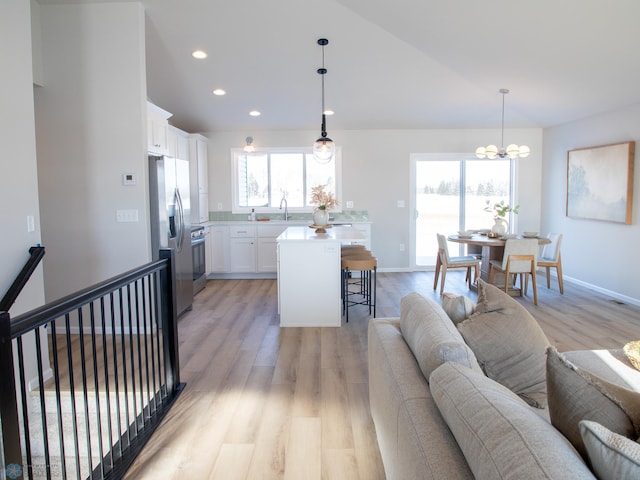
(129, 179)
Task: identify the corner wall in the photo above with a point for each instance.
(91, 129)
(600, 254)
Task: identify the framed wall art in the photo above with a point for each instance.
(600, 182)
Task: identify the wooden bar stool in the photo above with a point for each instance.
(362, 290)
(352, 249)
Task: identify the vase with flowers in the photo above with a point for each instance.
(500, 211)
(324, 201)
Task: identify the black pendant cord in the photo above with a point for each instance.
(322, 71)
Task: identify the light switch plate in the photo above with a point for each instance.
(400, 203)
(349, 204)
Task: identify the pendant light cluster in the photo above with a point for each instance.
(323, 149)
(512, 151)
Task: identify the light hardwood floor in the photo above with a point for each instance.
(268, 403)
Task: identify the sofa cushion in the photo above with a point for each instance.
(612, 456)
(508, 343)
(611, 365)
(415, 442)
(500, 436)
(575, 394)
(431, 336)
(457, 307)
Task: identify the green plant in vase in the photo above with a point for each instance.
(500, 211)
(324, 201)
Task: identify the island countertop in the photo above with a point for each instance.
(339, 234)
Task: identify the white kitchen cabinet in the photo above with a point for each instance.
(218, 251)
(198, 155)
(365, 229)
(242, 255)
(157, 130)
(177, 143)
(267, 246)
(203, 208)
(197, 146)
(242, 249)
(182, 146)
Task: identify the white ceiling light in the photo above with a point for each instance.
(199, 54)
(512, 150)
(219, 92)
(254, 113)
(323, 149)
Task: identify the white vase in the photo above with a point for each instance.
(320, 217)
(500, 227)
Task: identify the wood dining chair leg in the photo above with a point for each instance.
(535, 286)
(444, 276)
(438, 266)
(559, 273)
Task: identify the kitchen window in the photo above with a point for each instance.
(262, 178)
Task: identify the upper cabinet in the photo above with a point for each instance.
(198, 165)
(157, 130)
(198, 157)
(178, 143)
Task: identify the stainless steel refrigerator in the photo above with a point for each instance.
(171, 220)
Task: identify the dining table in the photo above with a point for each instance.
(492, 249)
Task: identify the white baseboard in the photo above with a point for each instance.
(603, 291)
(34, 383)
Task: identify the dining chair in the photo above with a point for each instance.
(520, 257)
(445, 262)
(550, 258)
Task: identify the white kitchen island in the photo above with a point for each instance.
(309, 276)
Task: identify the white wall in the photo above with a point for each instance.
(601, 254)
(91, 129)
(376, 174)
(19, 191)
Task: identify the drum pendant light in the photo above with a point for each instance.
(323, 149)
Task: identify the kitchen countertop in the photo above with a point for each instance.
(293, 223)
(339, 234)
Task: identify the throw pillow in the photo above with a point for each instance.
(508, 343)
(431, 336)
(457, 307)
(612, 456)
(575, 394)
(499, 435)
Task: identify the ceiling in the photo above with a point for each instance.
(406, 64)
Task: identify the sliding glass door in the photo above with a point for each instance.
(451, 192)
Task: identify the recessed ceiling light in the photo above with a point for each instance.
(199, 54)
(328, 112)
(219, 91)
(254, 113)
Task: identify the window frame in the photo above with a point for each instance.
(237, 153)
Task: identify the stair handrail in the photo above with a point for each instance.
(35, 255)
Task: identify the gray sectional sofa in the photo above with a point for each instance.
(478, 392)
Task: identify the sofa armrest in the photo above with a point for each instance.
(414, 440)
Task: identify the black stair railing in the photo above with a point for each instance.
(36, 253)
(106, 373)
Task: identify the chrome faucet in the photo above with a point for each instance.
(286, 208)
